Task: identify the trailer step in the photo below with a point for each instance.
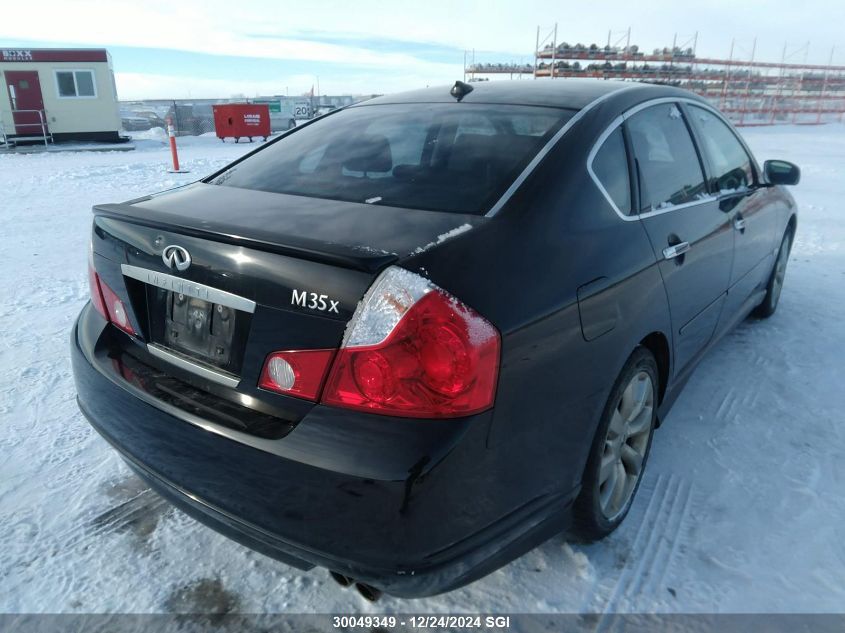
(39, 138)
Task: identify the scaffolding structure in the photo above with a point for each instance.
(748, 91)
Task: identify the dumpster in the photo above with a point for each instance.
(242, 120)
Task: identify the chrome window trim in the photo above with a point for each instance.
(676, 207)
(539, 156)
(227, 380)
(591, 157)
(188, 287)
(629, 113)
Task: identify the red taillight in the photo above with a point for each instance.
(107, 303)
(96, 293)
(429, 355)
(297, 373)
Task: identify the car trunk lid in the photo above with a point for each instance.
(361, 236)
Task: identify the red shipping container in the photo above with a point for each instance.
(238, 120)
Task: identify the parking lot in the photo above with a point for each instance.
(740, 511)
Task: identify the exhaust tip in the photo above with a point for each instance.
(367, 592)
(343, 581)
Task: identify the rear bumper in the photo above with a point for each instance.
(413, 508)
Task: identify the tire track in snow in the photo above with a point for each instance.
(139, 513)
(135, 519)
(675, 536)
(654, 559)
(662, 528)
(635, 546)
(727, 405)
(124, 514)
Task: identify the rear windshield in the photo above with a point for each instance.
(453, 157)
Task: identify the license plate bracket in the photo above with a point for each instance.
(199, 328)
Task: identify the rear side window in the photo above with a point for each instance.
(610, 166)
(730, 163)
(455, 157)
(667, 163)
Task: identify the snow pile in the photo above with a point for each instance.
(153, 134)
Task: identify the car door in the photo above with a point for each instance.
(692, 238)
(734, 179)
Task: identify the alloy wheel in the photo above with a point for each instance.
(625, 445)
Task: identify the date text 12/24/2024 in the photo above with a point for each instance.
(450, 622)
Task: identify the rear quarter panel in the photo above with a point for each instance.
(522, 271)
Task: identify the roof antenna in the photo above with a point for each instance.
(460, 90)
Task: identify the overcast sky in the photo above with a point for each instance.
(213, 48)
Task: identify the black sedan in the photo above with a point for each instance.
(410, 340)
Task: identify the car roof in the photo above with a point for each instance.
(573, 94)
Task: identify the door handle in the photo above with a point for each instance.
(739, 223)
(670, 252)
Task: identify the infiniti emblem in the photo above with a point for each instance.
(176, 257)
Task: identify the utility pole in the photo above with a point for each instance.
(748, 83)
(800, 83)
(824, 86)
(779, 91)
(727, 76)
(694, 54)
(674, 46)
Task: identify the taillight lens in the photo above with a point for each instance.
(413, 350)
(297, 373)
(115, 308)
(96, 293)
(106, 302)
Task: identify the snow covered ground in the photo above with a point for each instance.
(741, 510)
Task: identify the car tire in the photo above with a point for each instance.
(620, 449)
(769, 304)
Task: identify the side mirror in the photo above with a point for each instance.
(781, 172)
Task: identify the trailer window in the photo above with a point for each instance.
(75, 83)
(454, 157)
